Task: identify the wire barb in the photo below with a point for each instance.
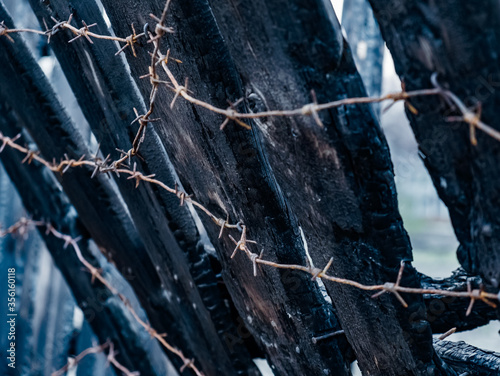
(242, 243)
(4, 30)
(393, 287)
(83, 32)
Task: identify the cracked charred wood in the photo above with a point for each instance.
(229, 173)
(468, 360)
(196, 319)
(345, 201)
(43, 198)
(458, 40)
(446, 312)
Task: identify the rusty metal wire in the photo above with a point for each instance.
(242, 244)
(21, 227)
(84, 31)
(473, 119)
(231, 114)
(73, 362)
(312, 109)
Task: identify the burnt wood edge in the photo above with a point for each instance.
(468, 360)
(445, 312)
(107, 95)
(43, 198)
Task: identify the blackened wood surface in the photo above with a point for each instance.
(338, 181)
(445, 312)
(181, 297)
(228, 172)
(26, 89)
(467, 359)
(460, 40)
(43, 198)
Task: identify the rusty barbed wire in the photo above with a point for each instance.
(230, 113)
(473, 119)
(73, 362)
(110, 357)
(84, 32)
(129, 41)
(312, 109)
(21, 227)
(160, 30)
(242, 243)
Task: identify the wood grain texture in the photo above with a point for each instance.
(467, 359)
(181, 295)
(338, 181)
(43, 198)
(228, 172)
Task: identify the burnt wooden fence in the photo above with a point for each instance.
(311, 190)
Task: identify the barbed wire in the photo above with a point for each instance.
(242, 243)
(312, 109)
(473, 118)
(21, 227)
(84, 31)
(110, 357)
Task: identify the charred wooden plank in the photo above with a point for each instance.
(196, 320)
(229, 173)
(446, 312)
(43, 198)
(467, 359)
(338, 180)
